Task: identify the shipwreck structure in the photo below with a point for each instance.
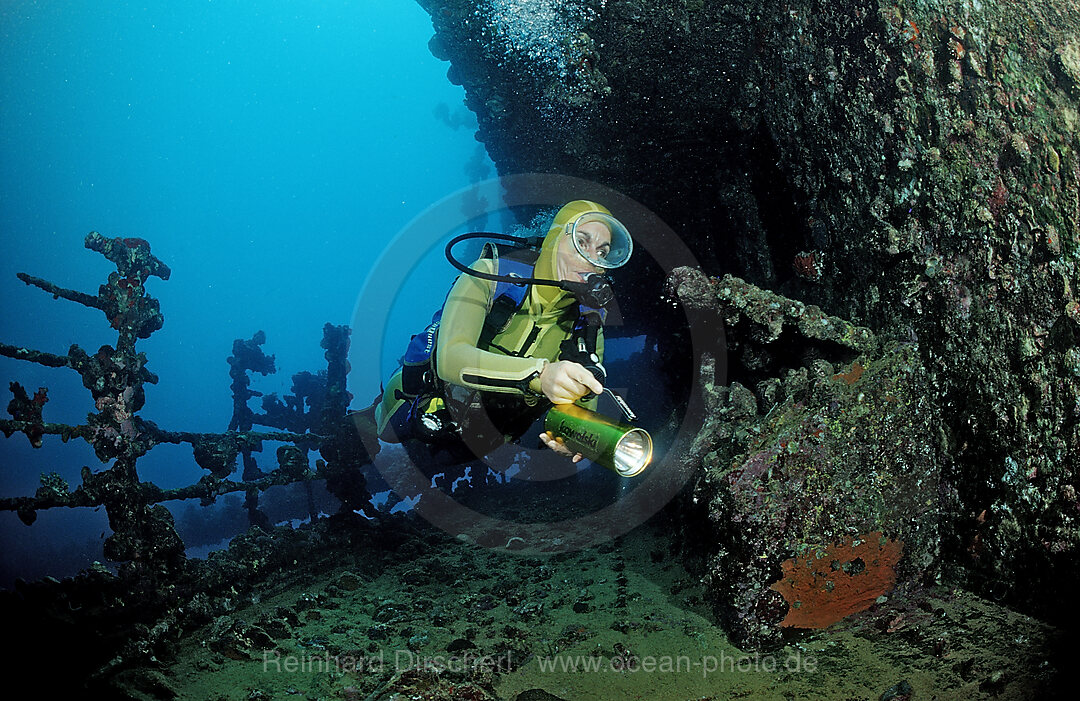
(884, 198)
(157, 592)
(911, 166)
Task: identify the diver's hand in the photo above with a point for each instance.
(556, 444)
(565, 382)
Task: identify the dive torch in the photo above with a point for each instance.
(617, 446)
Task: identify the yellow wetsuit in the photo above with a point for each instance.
(511, 363)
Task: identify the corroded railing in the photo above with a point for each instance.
(143, 536)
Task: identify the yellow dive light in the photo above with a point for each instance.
(617, 446)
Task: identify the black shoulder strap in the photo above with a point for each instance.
(508, 297)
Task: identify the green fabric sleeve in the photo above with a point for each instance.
(458, 360)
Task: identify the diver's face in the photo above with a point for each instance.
(594, 238)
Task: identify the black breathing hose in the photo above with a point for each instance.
(491, 276)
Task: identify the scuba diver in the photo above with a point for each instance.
(519, 332)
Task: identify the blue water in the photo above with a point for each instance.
(268, 150)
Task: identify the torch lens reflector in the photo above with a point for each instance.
(633, 452)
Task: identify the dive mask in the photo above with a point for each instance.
(606, 246)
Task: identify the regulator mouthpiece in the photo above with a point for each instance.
(625, 449)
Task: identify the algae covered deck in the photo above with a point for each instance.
(449, 620)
